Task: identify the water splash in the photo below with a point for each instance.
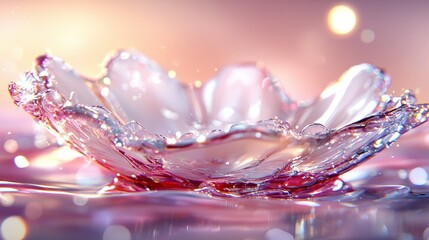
(239, 134)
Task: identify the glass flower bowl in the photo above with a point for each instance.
(237, 134)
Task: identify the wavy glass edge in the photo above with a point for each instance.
(141, 156)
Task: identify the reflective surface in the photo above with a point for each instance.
(387, 199)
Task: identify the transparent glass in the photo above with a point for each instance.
(238, 134)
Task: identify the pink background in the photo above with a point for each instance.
(194, 38)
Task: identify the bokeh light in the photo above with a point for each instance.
(367, 36)
(418, 176)
(33, 210)
(6, 199)
(171, 74)
(13, 227)
(342, 19)
(278, 234)
(10, 146)
(21, 161)
(116, 232)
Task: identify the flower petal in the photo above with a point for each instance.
(356, 95)
(269, 155)
(243, 93)
(62, 78)
(94, 131)
(137, 89)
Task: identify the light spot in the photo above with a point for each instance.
(367, 36)
(341, 19)
(167, 113)
(80, 200)
(201, 139)
(13, 227)
(338, 185)
(307, 203)
(33, 210)
(136, 80)
(226, 113)
(171, 74)
(198, 84)
(426, 139)
(89, 175)
(124, 55)
(255, 110)
(106, 81)
(10, 146)
(426, 234)
(6, 199)
(170, 141)
(21, 161)
(104, 92)
(278, 234)
(244, 161)
(418, 176)
(155, 78)
(116, 232)
(402, 174)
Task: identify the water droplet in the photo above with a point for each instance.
(186, 139)
(52, 101)
(134, 127)
(408, 97)
(314, 130)
(238, 127)
(215, 133)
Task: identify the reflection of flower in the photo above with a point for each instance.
(236, 134)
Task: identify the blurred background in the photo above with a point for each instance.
(306, 44)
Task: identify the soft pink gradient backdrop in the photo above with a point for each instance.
(195, 38)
